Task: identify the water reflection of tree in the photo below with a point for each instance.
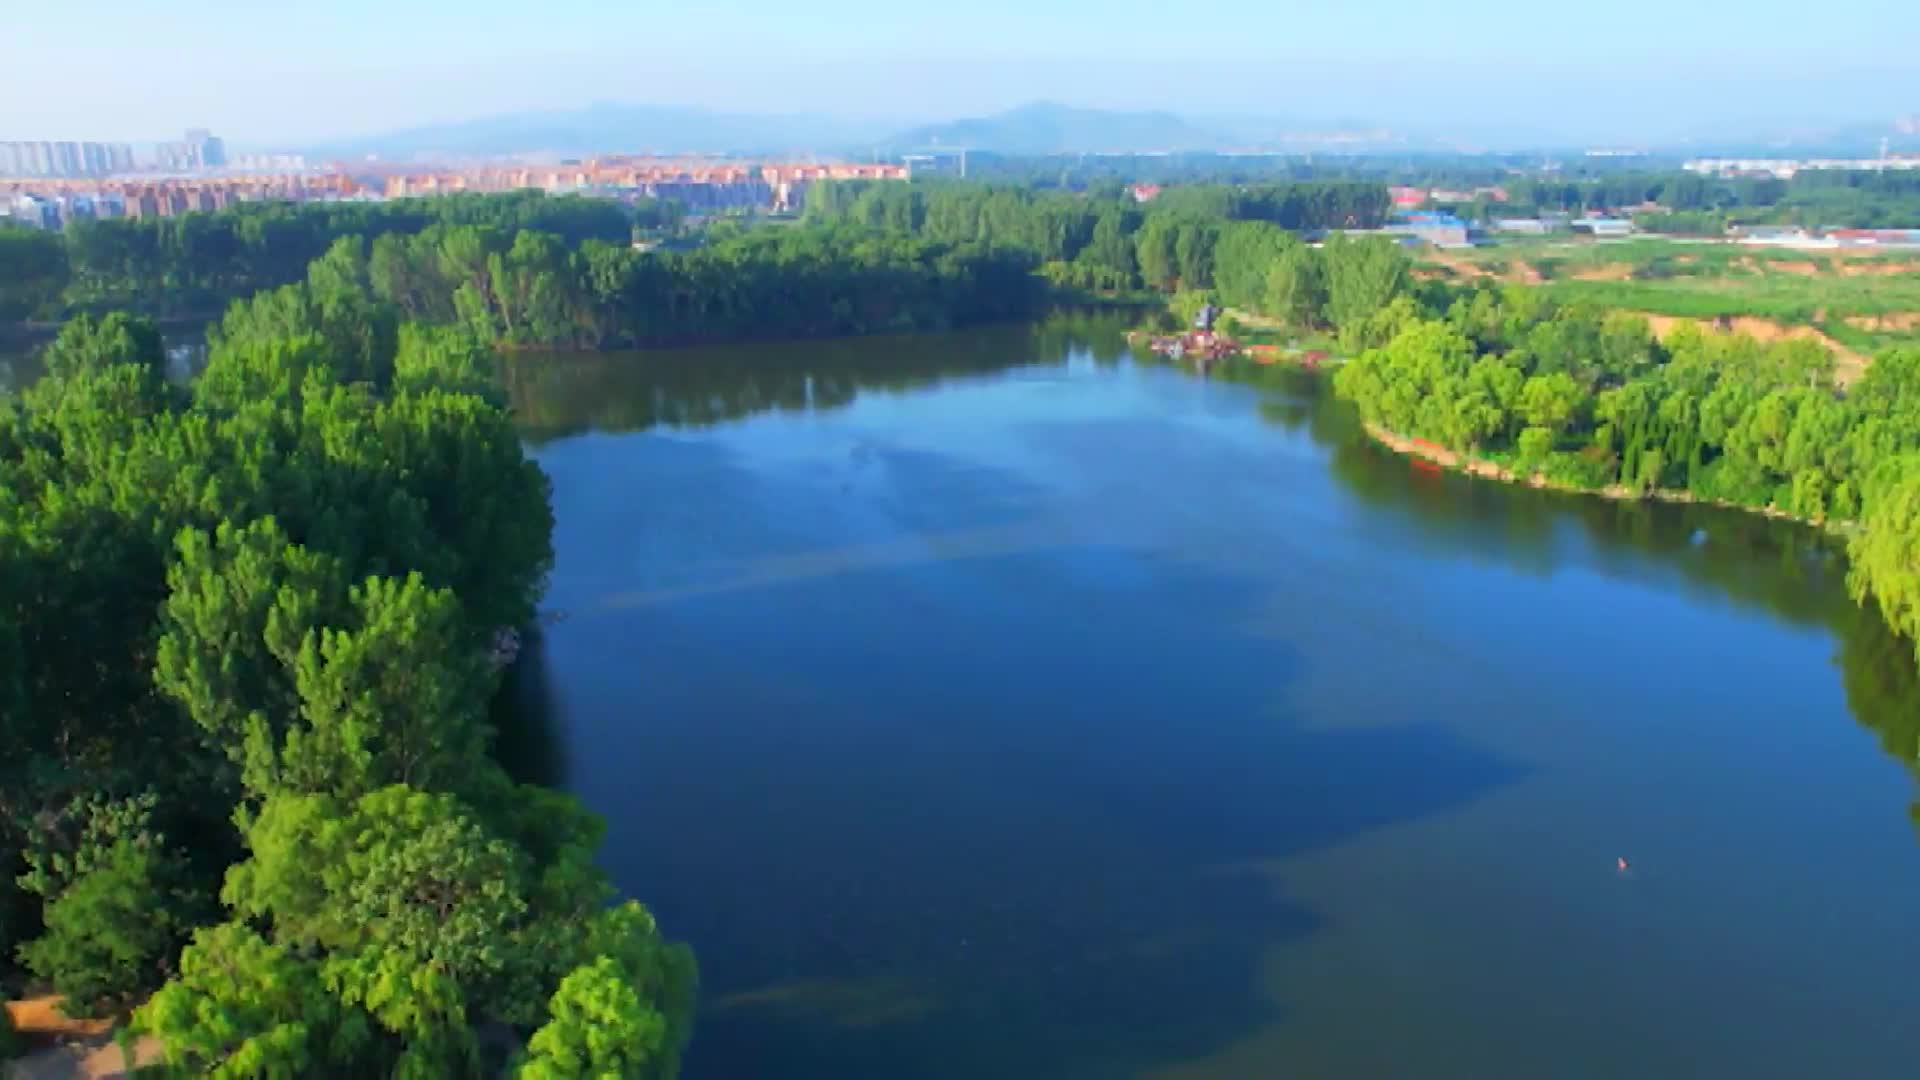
(526, 718)
(1882, 683)
(1790, 571)
(557, 394)
(1101, 334)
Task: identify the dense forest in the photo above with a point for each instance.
(530, 289)
(249, 633)
(1107, 243)
(496, 269)
(195, 263)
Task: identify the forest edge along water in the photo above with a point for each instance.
(1169, 726)
(1425, 453)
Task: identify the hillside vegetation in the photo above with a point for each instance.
(1861, 302)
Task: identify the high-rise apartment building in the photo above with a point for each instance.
(212, 151)
(64, 159)
(201, 149)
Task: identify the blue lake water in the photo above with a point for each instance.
(994, 704)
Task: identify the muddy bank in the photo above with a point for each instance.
(1473, 466)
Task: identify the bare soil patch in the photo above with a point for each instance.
(1610, 272)
(70, 1049)
(41, 1016)
(1865, 266)
(1895, 322)
(1848, 365)
(1457, 267)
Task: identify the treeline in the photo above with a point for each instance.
(1589, 399)
(1299, 195)
(196, 262)
(249, 634)
(1707, 204)
(33, 273)
(1095, 173)
(1301, 206)
(1673, 189)
(1105, 243)
(531, 289)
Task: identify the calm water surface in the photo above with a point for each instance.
(993, 705)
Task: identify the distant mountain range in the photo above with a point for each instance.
(1049, 128)
(609, 128)
(1039, 128)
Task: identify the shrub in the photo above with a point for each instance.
(1579, 470)
(107, 933)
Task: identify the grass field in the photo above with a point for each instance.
(1864, 302)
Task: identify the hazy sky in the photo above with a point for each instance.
(265, 73)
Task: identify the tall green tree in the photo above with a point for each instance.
(244, 1007)
(110, 932)
(1363, 275)
(33, 273)
(1296, 288)
(86, 344)
(1243, 260)
(1886, 552)
(599, 1027)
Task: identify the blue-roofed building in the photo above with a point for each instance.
(1433, 227)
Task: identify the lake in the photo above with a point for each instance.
(994, 704)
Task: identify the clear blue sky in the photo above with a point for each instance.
(267, 73)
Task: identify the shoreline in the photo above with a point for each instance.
(1420, 449)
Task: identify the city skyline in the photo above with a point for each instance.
(1645, 70)
(72, 158)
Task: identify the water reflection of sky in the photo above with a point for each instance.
(1080, 721)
